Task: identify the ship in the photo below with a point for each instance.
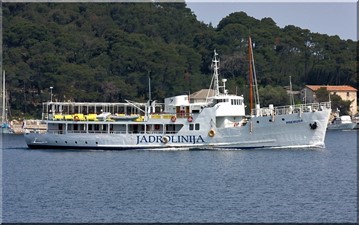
(343, 122)
(216, 122)
(6, 126)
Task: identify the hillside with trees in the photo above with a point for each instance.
(107, 51)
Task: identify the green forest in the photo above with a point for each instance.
(107, 51)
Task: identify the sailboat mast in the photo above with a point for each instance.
(250, 75)
(3, 115)
(149, 88)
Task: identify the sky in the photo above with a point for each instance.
(324, 17)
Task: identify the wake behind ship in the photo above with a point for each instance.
(217, 121)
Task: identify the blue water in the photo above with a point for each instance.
(286, 185)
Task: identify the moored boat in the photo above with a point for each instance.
(216, 122)
(5, 125)
(342, 123)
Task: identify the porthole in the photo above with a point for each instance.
(75, 142)
(85, 142)
(270, 120)
(283, 119)
(65, 142)
(257, 121)
(96, 142)
(55, 141)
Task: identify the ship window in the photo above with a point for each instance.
(236, 101)
(170, 128)
(196, 126)
(111, 127)
(222, 100)
(191, 126)
(347, 94)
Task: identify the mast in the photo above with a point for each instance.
(149, 87)
(256, 92)
(3, 115)
(291, 91)
(148, 111)
(250, 76)
(215, 62)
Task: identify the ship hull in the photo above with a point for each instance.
(290, 130)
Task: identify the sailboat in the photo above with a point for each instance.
(5, 126)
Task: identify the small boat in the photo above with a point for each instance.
(5, 125)
(342, 123)
(103, 116)
(216, 121)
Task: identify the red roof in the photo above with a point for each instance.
(332, 87)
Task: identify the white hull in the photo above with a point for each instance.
(285, 131)
(342, 123)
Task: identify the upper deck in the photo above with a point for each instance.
(92, 110)
(290, 109)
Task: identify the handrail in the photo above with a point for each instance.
(290, 109)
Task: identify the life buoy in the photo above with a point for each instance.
(211, 133)
(76, 118)
(190, 119)
(173, 118)
(165, 139)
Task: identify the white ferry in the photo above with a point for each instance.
(216, 121)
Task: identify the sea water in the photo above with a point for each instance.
(267, 185)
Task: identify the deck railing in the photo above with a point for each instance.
(290, 109)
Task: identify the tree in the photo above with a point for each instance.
(104, 51)
(340, 105)
(322, 94)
